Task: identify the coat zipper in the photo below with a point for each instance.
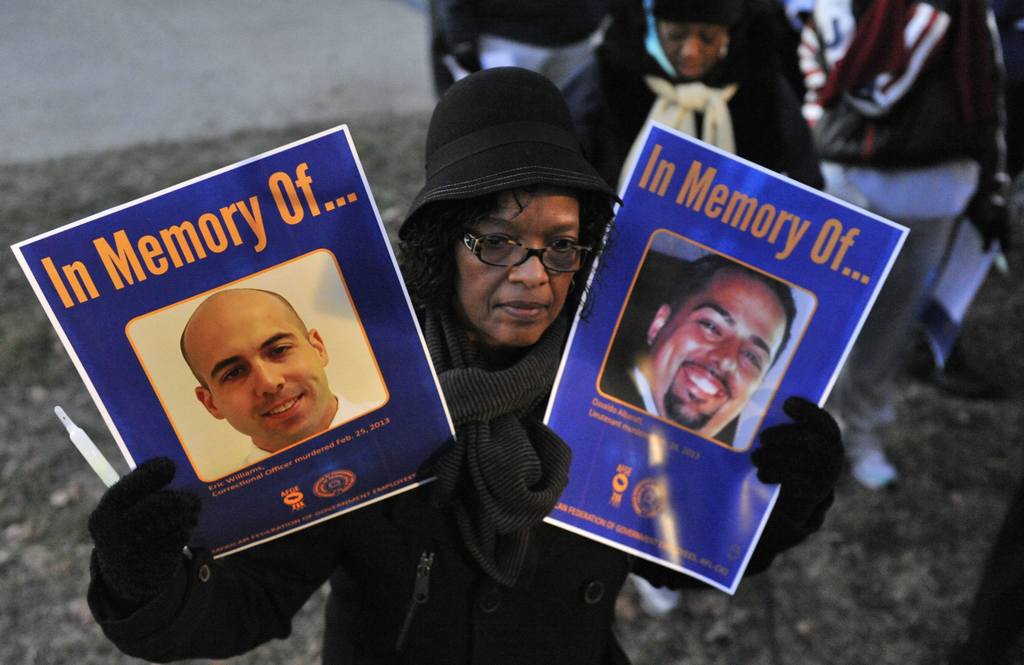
(420, 595)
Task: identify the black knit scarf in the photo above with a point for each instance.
(506, 470)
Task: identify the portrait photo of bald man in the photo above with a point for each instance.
(259, 368)
(263, 364)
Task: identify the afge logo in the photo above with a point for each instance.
(293, 497)
(620, 483)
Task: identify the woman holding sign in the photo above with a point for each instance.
(495, 251)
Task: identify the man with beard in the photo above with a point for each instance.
(707, 351)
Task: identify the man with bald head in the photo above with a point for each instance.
(259, 368)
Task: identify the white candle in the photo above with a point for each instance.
(88, 449)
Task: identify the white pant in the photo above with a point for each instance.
(558, 63)
(927, 201)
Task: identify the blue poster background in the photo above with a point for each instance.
(362, 460)
(643, 483)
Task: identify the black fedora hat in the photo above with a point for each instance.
(500, 129)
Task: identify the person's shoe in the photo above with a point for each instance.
(872, 469)
(965, 383)
(921, 360)
(655, 601)
(958, 378)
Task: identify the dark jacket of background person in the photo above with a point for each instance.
(1010, 21)
(539, 22)
(610, 100)
(560, 611)
(457, 25)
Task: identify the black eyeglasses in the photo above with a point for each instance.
(497, 250)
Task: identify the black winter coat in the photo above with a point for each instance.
(538, 22)
(560, 611)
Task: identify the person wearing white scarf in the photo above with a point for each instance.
(688, 39)
(710, 70)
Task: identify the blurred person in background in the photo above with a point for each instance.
(1009, 16)
(550, 38)
(996, 620)
(709, 69)
(951, 371)
(903, 99)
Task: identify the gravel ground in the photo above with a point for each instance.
(887, 581)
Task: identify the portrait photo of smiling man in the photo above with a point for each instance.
(697, 340)
(254, 367)
(259, 368)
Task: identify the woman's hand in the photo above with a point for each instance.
(805, 457)
(139, 530)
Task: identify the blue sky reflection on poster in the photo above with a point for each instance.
(681, 361)
(299, 222)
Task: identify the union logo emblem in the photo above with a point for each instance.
(333, 483)
(649, 497)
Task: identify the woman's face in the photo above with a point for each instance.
(693, 48)
(506, 308)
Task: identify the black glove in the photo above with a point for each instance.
(805, 457)
(139, 530)
(467, 55)
(987, 212)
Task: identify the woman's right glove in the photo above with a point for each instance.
(804, 456)
(139, 530)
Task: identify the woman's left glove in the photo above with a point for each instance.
(805, 457)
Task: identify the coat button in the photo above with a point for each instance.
(593, 592)
(489, 600)
(204, 573)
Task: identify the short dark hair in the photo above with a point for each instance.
(695, 276)
(425, 249)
